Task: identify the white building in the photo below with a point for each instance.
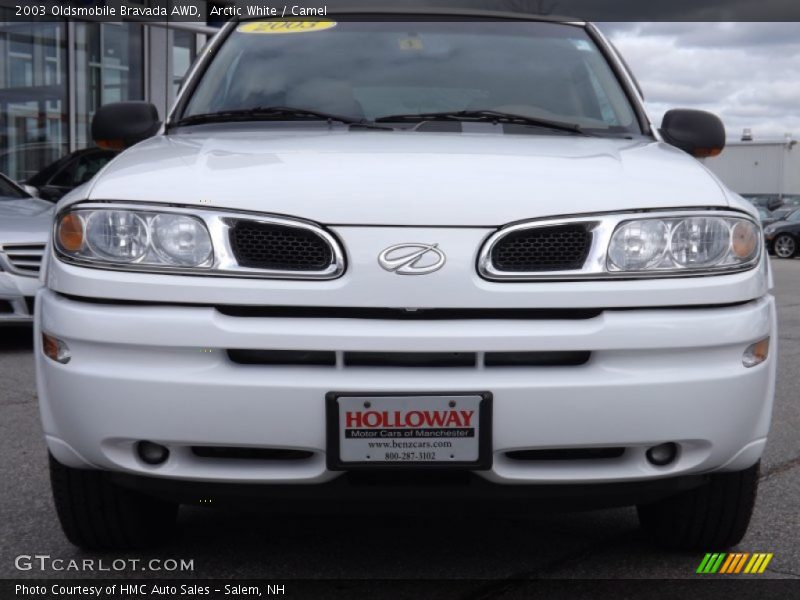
(764, 168)
(55, 74)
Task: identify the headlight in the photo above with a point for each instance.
(639, 245)
(680, 244)
(117, 235)
(181, 240)
(133, 237)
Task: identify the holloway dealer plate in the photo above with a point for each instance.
(390, 430)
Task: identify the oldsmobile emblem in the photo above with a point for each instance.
(412, 259)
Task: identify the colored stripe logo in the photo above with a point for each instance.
(735, 562)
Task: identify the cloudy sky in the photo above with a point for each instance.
(747, 73)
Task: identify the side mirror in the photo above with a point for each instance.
(696, 132)
(51, 192)
(122, 124)
(33, 191)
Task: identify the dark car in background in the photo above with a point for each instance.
(779, 214)
(791, 200)
(768, 201)
(783, 237)
(68, 172)
(764, 215)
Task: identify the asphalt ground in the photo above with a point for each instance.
(238, 544)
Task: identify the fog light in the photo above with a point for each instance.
(152, 453)
(663, 454)
(756, 353)
(55, 349)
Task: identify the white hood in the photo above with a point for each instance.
(406, 178)
(25, 221)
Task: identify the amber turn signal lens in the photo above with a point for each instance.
(744, 240)
(70, 233)
(706, 152)
(756, 353)
(54, 349)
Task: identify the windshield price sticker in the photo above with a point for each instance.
(409, 429)
(286, 26)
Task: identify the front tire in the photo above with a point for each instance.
(784, 246)
(711, 517)
(96, 514)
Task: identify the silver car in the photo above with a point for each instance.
(24, 227)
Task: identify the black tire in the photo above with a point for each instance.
(784, 246)
(711, 517)
(97, 514)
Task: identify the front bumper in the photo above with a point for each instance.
(161, 373)
(16, 298)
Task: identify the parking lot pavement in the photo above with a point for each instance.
(327, 544)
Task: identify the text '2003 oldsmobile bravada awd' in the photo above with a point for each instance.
(389, 249)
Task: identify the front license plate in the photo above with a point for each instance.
(378, 430)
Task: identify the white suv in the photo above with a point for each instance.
(399, 250)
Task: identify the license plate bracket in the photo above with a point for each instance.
(464, 419)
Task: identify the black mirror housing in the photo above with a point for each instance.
(119, 125)
(696, 132)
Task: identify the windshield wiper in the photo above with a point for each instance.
(271, 113)
(494, 116)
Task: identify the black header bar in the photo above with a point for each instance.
(217, 12)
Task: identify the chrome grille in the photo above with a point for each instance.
(259, 245)
(24, 259)
(555, 248)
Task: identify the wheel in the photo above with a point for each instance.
(711, 517)
(784, 246)
(96, 514)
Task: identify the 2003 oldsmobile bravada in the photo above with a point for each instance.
(375, 248)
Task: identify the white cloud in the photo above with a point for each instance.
(747, 73)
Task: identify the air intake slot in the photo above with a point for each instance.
(566, 454)
(245, 453)
(409, 359)
(283, 357)
(422, 314)
(328, 358)
(536, 359)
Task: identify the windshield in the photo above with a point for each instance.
(368, 70)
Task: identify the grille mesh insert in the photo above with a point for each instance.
(278, 247)
(555, 248)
